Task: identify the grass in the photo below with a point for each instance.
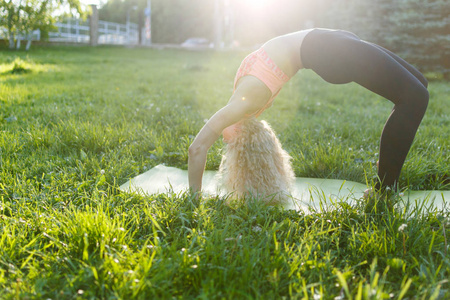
(81, 121)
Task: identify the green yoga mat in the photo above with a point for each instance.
(307, 193)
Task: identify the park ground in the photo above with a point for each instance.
(77, 122)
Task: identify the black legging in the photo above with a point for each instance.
(342, 57)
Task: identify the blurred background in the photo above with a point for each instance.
(417, 30)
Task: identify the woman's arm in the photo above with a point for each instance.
(236, 110)
(197, 156)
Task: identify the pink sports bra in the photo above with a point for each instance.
(260, 65)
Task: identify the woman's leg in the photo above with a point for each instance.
(340, 58)
(379, 72)
(406, 65)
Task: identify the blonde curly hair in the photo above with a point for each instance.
(255, 165)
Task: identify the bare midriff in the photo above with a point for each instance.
(285, 51)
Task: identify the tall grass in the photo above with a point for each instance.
(81, 121)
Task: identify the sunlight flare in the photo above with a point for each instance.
(258, 4)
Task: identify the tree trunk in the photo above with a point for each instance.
(29, 37)
(11, 40)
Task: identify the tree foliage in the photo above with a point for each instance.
(117, 10)
(173, 21)
(418, 30)
(21, 17)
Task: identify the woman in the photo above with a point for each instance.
(338, 57)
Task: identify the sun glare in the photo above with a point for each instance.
(258, 4)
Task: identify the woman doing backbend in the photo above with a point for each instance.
(338, 57)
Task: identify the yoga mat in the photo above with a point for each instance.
(307, 193)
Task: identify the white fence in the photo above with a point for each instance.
(77, 31)
(35, 35)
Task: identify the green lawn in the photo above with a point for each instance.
(78, 122)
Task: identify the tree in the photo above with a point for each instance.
(173, 21)
(421, 33)
(417, 30)
(22, 17)
(117, 10)
(121, 11)
(9, 15)
(33, 15)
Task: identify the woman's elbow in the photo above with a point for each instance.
(192, 150)
(195, 149)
